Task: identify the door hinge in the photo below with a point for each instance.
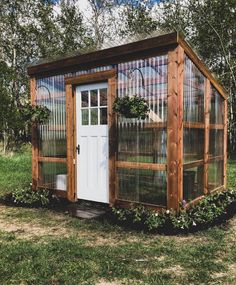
(73, 161)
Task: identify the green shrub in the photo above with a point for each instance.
(131, 107)
(25, 196)
(207, 212)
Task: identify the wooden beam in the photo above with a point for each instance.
(216, 158)
(112, 88)
(175, 128)
(201, 66)
(192, 164)
(34, 141)
(141, 165)
(225, 144)
(216, 126)
(71, 193)
(194, 125)
(91, 78)
(52, 159)
(130, 204)
(207, 98)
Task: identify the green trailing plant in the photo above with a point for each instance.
(25, 196)
(131, 107)
(35, 113)
(207, 212)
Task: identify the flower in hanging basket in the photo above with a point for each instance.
(131, 107)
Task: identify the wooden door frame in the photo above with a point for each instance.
(110, 77)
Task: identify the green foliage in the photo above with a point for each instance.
(31, 30)
(25, 196)
(206, 212)
(137, 19)
(35, 114)
(131, 107)
(15, 170)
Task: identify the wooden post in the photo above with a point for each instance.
(71, 195)
(112, 139)
(225, 144)
(175, 128)
(34, 141)
(207, 96)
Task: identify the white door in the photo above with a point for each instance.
(92, 142)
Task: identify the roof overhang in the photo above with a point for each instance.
(108, 56)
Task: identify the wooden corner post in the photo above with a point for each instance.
(70, 143)
(175, 128)
(225, 142)
(34, 141)
(207, 97)
(112, 87)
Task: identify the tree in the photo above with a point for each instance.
(29, 30)
(74, 35)
(211, 27)
(137, 18)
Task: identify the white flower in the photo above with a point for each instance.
(167, 211)
(194, 224)
(156, 214)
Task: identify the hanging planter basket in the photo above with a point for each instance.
(131, 107)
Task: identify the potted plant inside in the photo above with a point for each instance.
(131, 107)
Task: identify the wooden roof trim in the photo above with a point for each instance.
(90, 78)
(108, 56)
(201, 66)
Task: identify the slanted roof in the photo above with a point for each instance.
(109, 53)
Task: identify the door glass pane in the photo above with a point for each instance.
(94, 116)
(84, 99)
(93, 98)
(103, 97)
(85, 117)
(103, 116)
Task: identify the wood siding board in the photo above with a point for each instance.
(201, 66)
(225, 143)
(112, 92)
(35, 151)
(207, 97)
(108, 56)
(175, 128)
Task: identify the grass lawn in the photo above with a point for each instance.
(39, 246)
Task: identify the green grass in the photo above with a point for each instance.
(40, 246)
(14, 171)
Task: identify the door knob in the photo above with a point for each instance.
(78, 149)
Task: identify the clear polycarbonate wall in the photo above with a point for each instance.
(194, 134)
(143, 141)
(216, 147)
(193, 131)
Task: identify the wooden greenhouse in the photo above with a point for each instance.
(86, 151)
